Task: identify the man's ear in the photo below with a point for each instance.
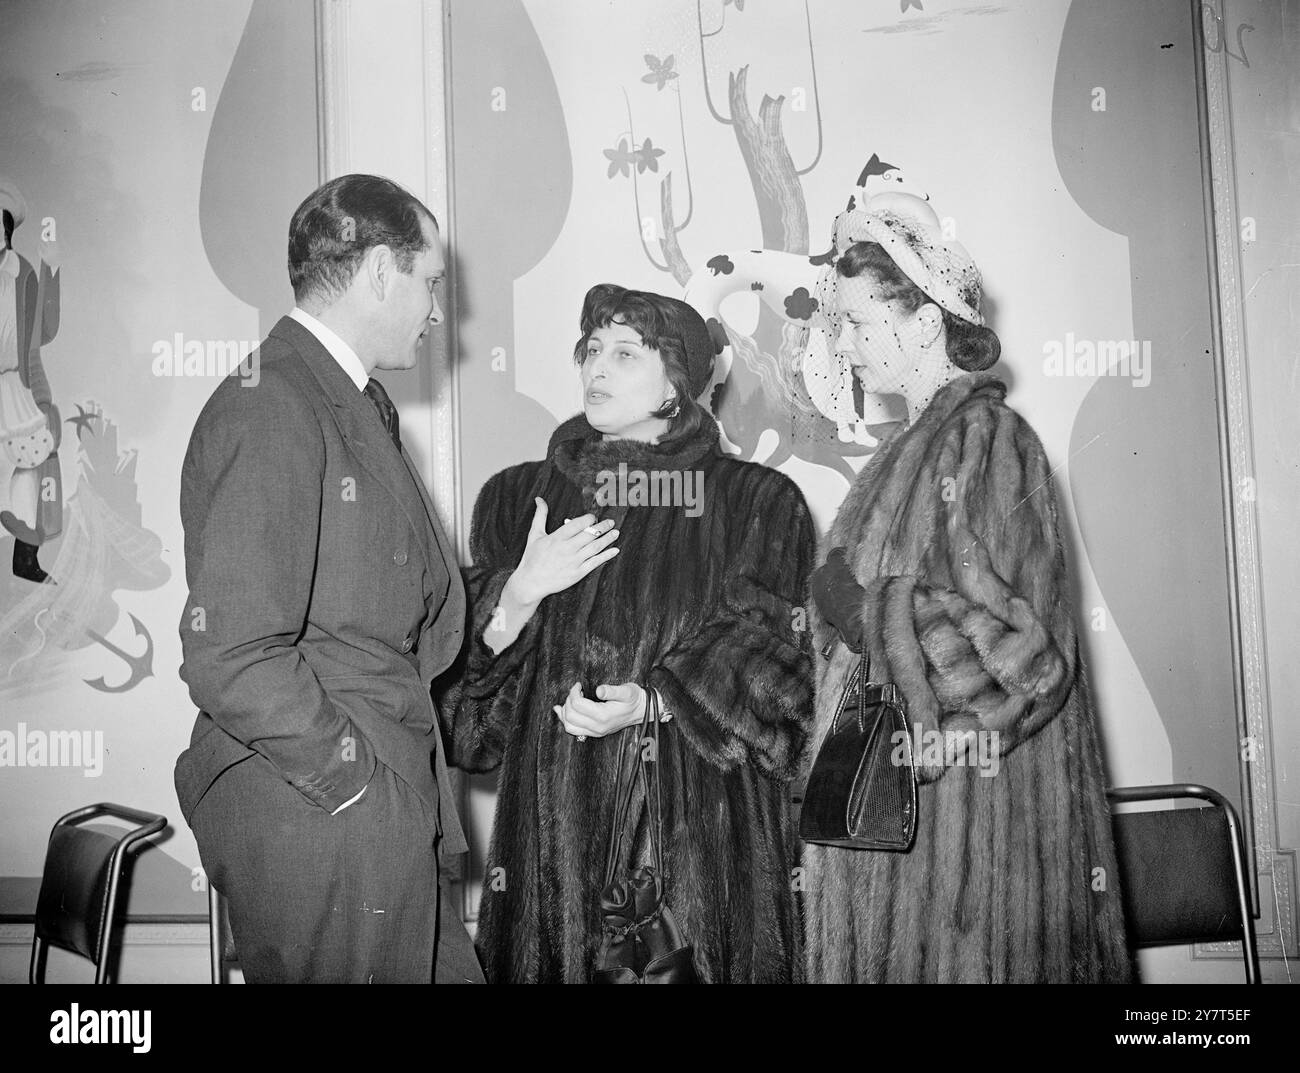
(378, 268)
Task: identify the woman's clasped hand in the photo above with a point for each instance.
(618, 706)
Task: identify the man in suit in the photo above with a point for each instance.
(324, 597)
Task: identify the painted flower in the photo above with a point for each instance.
(621, 159)
(720, 265)
(647, 157)
(800, 305)
(661, 71)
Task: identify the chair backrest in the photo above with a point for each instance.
(74, 889)
(78, 897)
(1183, 871)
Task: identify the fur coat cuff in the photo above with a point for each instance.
(742, 685)
(749, 694)
(964, 665)
(487, 670)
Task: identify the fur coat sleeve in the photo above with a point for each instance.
(741, 687)
(971, 609)
(483, 698)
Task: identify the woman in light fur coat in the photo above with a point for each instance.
(947, 567)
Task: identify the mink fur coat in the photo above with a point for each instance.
(702, 602)
(952, 529)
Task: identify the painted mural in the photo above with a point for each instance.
(140, 250)
(94, 543)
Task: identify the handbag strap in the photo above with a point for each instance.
(651, 786)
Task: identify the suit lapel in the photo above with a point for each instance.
(365, 434)
(435, 527)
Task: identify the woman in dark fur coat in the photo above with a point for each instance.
(947, 567)
(695, 599)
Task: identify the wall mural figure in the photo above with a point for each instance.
(761, 390)
(30, 426)
(104, 547)
(785, 376)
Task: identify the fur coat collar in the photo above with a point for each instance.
(580, 452)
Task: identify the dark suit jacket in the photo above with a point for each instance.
(324, 596)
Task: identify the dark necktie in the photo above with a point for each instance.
(375, 392)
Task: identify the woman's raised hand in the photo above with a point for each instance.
(553, 561)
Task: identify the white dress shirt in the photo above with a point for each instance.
(338, 349)
(350, 364)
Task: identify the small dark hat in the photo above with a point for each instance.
(679, 319)
(690, 328)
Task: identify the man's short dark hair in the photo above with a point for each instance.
(341, 221)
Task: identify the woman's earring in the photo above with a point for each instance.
(677, 409)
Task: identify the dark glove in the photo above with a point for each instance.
(839, 597)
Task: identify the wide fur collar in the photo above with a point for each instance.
(953, 394)
(580, 452)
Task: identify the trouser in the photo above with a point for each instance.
(315, 898)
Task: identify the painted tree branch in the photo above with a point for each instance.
(817, 97)
(781, 208)
(671, 248)
(704, 65)
(686, 159)
(636, 196)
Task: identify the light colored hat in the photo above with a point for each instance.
(909, 231)
(11, 198)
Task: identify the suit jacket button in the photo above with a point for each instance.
(407, 644)
(399, 557)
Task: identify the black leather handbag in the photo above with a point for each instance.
(642, 943)
(861, 793)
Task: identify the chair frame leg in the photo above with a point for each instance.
(36, 971)
(216, 939)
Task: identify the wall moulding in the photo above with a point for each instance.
(1274, 867)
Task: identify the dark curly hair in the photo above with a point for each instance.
(971, 347)
(650, 316)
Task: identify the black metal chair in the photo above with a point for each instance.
(221, 941)
(1183, 871)
(76, 907)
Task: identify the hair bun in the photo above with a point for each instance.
(971, 347)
